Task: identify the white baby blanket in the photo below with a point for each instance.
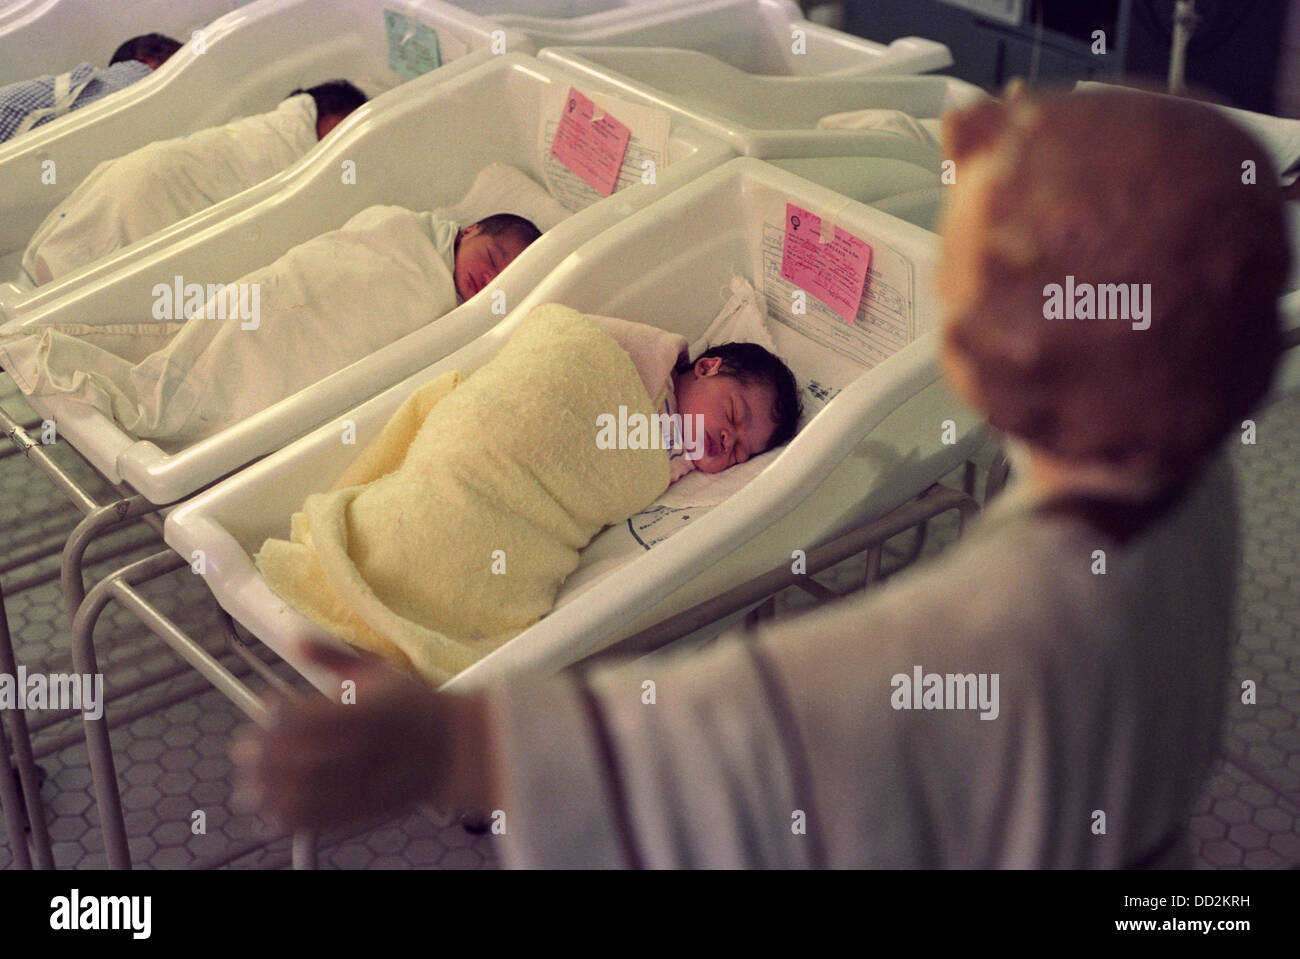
(884, 121)
(131, 197)
(323, 305)
(455, 528)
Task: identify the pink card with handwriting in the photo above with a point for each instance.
(591, 148)
(834, 272)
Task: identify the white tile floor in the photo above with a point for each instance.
(170, 739)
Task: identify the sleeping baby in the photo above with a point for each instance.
(483, 249)
(734, 401)
(215, 360)
(454, 529)
(126, 199)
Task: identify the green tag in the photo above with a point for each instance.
(412, 46)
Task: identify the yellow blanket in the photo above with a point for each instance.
(454, 529)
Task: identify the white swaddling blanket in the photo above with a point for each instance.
(133, 196)
(883, 121)
(323, 305)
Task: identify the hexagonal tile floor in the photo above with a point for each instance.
(171, 729)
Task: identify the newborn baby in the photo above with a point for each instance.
(484, 249)
(218, 358)
(129, 198)
(733, 402)
(744, 400)
(455, 527)
(28, 104)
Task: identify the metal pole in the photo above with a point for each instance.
(97, 518)
(996, 481)
(259, 666)
(208, 665)
(22, 749)
(15, 822)
(93, 525)
(1185, 20)
(98, 746)
(874, 556)
(304, 850)
(37, 453)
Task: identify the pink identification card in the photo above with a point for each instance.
(593, 149)
(834, 272)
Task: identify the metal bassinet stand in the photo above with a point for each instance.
(757, 592)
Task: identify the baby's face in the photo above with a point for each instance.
(327, 123)
(480, 257)
(737, 421)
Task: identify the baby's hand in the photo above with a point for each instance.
(323, 763)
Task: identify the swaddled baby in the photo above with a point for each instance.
(454, 529)
(483, 249)
(134, 196)
(325, 304)
(734, 401)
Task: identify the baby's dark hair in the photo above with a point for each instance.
(750, 363)
(334, 98)
(507, 224)
(148, 48)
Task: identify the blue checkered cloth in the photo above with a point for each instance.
(17, 100)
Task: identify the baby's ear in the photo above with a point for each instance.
(708, 365)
